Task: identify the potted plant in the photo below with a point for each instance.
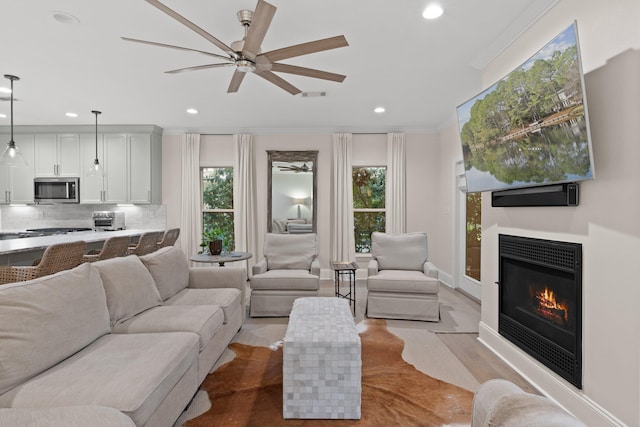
(212, 239)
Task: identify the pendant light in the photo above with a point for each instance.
(96, 169)
(12, 156)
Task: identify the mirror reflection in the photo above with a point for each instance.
(292, 191)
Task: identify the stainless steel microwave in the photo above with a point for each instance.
(56, 190)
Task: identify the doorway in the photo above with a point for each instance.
(468, 236)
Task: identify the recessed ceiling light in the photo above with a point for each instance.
(192, 111)
(71, 114)
(379, 110)
(432, 11)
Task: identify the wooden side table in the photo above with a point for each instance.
(345, 271)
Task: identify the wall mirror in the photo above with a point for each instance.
(292, 188)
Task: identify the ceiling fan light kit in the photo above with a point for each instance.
(246, 54)
(12, 155)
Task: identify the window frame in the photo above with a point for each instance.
(369, 210)
(204, 210)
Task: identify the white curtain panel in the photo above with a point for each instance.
(342, 229)
(245, 198)
(190, 211)
(395, 187)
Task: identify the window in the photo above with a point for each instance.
(368, 204)
(473, 235)
(217, 204)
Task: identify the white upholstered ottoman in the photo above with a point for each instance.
(322, 364)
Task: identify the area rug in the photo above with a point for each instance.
(248, 390)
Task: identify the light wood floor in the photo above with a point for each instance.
(479, 360)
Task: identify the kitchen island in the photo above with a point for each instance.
(25, 250)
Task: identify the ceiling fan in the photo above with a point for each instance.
(245, 54)
(295, 168)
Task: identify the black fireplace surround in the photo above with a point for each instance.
(540, 301)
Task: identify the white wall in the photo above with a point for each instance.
(368, 149)
(606, 222)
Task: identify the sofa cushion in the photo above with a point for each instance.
(132, 373)
(290, 251)
(170, 270)
(228, 299)
(204, 320)
(129, 287)
(66, 416)
(46, 320)
(285, 280)
(399, 251)
(403, 281)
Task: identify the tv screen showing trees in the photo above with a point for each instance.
(531, 127)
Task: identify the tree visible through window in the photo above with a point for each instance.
(473, 235)
(217, 204)
(368, 204)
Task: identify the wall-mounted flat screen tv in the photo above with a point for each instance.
(530, 128)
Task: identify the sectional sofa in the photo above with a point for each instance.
(120, 342)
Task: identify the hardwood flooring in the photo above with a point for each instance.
(481, 362)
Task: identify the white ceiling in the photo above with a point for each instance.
(418, 70)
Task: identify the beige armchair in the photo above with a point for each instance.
(499, 402)
(401, 283)
(289, 270)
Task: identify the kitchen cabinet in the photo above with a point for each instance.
(57, 155)
(16, 183)
(132, 163)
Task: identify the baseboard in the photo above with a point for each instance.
(549, 384)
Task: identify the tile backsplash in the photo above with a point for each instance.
(138, 217)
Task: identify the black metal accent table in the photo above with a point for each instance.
(345, 272)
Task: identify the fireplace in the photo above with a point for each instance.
(541, 301)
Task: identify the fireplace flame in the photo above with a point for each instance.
(550, 308)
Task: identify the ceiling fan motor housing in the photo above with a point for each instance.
(245, 17)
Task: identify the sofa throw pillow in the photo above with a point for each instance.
(290, 251)
(170, 270)
(46, 320)
(399, 251)
(129, 287)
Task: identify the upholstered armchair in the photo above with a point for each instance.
(401, 283)
(289, 270)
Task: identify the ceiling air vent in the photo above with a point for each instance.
(314, 94)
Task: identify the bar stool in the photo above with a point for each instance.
(58, 257)
(113, 247)
(147, 243)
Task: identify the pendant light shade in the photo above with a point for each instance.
(96, 169)
(11, 155)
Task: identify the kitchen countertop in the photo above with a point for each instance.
(27, 244)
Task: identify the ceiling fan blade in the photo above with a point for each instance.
(307, 72)
(278, 81)
(259, 25)
(176, 47)
(198, 67)
(306, 48)
(192, 26)
(237, 78)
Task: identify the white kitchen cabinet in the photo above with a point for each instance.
(16, 183)
(115, 164)
(132, 163)
(91, 187)
(57, 155)
(140, 168)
